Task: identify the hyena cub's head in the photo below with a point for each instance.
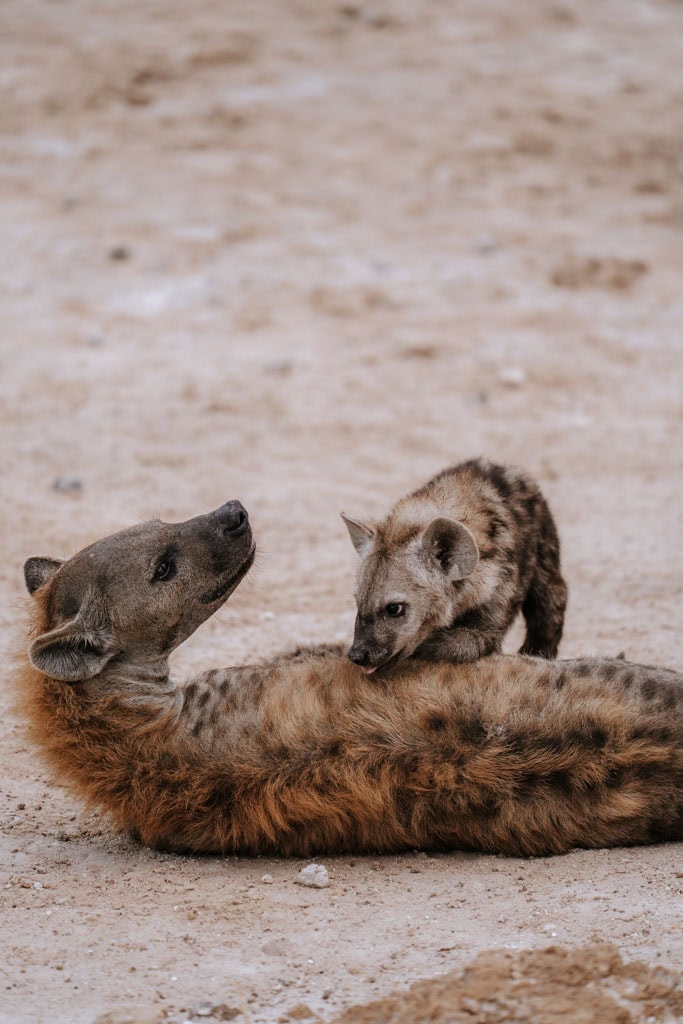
(135, 596)
(405, 585)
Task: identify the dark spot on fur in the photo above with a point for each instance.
(558, 679)
(530, 503)
(435, 722)
(403, 803)
(527, 783)
(561, 782)
(204, 698)
(494, 527)
(335, 748)
(518, 743)
(473, 619)
(486, 805)
(583, 669)
(615, 777)
(496, 475)
(597, 737)
(191, 691)
(659, 831)
(609, 671)
(591, 738)
(649, 689)
(670, 700)
(663, 734)
(167, 762)
(473, 730)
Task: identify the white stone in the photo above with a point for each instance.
(313, 875)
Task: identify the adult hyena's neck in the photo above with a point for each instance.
(96, 733)
(210, 706)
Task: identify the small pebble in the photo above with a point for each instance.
(512, 376)
(119, 252)
(485, 243)
(279, 369)
(267, 879)
(67, 484)
(314, 876)
(203, 1009)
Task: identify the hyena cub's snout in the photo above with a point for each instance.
(366, 651)
(379, 640)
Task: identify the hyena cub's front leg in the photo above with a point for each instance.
(472, 636)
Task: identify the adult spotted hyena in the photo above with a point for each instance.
(512, 754)
(444, 575)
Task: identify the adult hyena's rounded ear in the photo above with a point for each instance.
(78, 648)
(37, 571)
(72, 652)
(451, 546)
(362, 534)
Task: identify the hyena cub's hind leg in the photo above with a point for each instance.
(544, 606)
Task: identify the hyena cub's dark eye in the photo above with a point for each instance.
(165, 570)
(395, 611)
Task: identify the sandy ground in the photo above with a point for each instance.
(306, 254)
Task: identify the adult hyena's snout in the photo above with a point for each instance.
(221, 528)
(220, 549)
(233, 519)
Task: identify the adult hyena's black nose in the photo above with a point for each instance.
(233, 519)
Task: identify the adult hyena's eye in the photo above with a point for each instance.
(395, 611)
(165, 570)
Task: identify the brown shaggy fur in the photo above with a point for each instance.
(514, 754)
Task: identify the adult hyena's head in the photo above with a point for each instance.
(138, 594)
(405, 586)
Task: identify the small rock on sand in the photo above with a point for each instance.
(313, 875)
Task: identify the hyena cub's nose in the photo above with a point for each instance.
(359, 656)
(233, 519)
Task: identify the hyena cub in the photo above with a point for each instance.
(445, 574)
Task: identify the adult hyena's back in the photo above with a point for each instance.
(588, 754)
(509, 754)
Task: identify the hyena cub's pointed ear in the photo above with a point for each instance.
(451, 545)
(76, 650)
(38, 571)
(362, 534)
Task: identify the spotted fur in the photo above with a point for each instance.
(460, 558)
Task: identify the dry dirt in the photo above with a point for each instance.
(306, 254)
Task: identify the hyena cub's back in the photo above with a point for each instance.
(447, 571)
